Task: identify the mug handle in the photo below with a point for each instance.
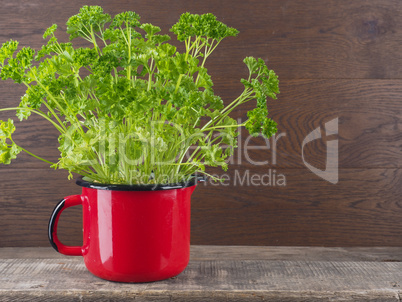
(63, 204)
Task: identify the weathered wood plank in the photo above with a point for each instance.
(370, 296)
(208, 280)
(27, 200)
(216, 252)
(331, 39)
(363, 209)
(293, 253)
(369, 116)
(369, 123)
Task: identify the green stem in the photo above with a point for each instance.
(30, 153)
(178, 83)
(239, 100)
(75, 116)
(188, 48)
(47, 106)
(207, 53)
(225, 126)
(50, 108)
(128, 40)
(61, 130)
(150, 73)
(94, 41)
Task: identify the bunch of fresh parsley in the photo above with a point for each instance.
(130, 108)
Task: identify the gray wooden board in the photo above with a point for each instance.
(66, 279)
(215, 252)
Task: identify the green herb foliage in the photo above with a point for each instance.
(130, 108)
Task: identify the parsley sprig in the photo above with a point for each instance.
(130, 108)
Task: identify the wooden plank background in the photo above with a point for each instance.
(214, 274)
(335, 59)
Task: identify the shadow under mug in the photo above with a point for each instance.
(137, 233)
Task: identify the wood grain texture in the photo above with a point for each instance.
(307, 211)
(227, 252)
(370, 296)
(369, 114)
(314, 39)
(66, 279)
(27, 200)
(369, 130)
(335, 59)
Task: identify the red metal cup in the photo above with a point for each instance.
(131, 233)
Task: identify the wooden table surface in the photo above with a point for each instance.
(215, 273)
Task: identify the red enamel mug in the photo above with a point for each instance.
(137, 233)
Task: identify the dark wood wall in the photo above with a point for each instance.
(335, 59)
